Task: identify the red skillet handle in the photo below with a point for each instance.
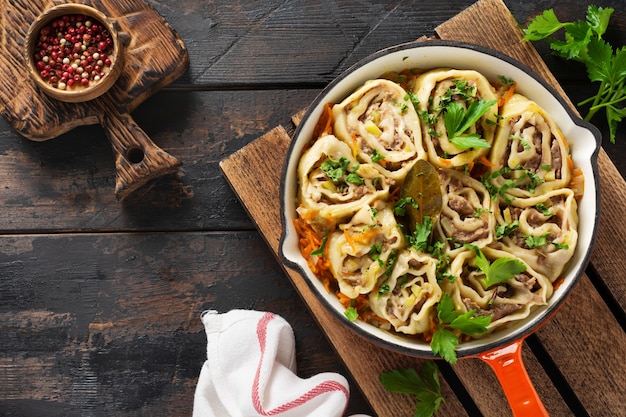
(137, 159)
(507, 364)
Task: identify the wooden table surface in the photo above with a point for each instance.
(100, 301)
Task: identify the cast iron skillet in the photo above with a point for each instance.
(502, 349)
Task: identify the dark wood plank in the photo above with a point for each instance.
(66, 184)
(328, 36)
(109, 324)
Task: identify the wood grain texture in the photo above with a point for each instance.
(128, 339)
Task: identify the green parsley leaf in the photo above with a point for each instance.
(351, 313)
(444, 344)
(457, 120)
(503, 269)
(419, 239)
(598, 18)
(444, 341)
(354, 178)
(506, 229)
(543, 26)
(468, 323)
(399, 209)
(498, 271)
(377, 157)
(320, 250)
(533, 241)
(470, 141)
(425, 387)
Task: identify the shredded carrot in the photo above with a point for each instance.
(507, 96)
(570, 163)
(486, 162)
(355, 145)
(445, 161)
(557, 283)
(364, 237)
(346, 233)
(324, 125)
(577, 183)
(309, 241)
(360, 303)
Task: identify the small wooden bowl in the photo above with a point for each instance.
(75, 94)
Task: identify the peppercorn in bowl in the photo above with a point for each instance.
(74, 53)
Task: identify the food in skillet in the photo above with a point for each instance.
(438, 204)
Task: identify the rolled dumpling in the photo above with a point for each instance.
(505, 302)
(359, 251)
(542, 230)
(408, 297)
(466, 212)
(438, 91)
(529, 155)
(380, 124)
(334, 185)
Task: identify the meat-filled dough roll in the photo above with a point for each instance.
(358, 252)
(408, 297)
(333, 185)
(380, 124)
(466, 212)
(530, 154)
(441, 90)
(542, 231)
(504, 302)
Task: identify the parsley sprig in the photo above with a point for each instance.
(457, 120)
(583, 42)
(498, 271)
(425, 387)
(445, 340)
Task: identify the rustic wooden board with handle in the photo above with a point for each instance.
(154, 57)
(259, 188)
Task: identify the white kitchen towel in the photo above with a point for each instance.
(251, 371)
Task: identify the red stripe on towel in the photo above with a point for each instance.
(322, 388)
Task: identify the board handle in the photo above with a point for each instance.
(137, 159)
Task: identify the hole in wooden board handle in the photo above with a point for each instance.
(137, 159)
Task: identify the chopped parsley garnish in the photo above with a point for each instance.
(399, 209)
(338, 170)
(543, 209)
(320, 250)
(508, 82)
(533, 241)
(351, 312)
(413, 99)
(377, 157)
(506, 229)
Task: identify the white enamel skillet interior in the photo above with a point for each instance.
(584, 140)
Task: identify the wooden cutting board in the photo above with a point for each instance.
(154, 56)
(259, 189)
